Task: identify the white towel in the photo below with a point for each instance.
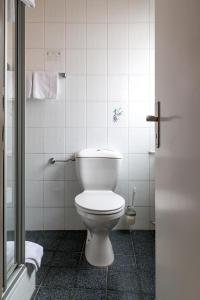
(29, 84)
(10, 84)
(33, 253)
(29, 3)
(45, 85)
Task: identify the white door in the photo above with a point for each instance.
(178, 159)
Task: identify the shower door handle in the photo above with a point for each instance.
(156, 119)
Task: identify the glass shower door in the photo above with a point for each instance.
(10, 137)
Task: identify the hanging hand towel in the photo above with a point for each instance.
(45, 85)
(29, 83)
(29, 3)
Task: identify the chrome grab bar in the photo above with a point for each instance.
(63, 75)
(52, 160)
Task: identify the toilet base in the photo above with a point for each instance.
(98, 249)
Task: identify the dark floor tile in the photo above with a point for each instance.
(85, 265)
(48, 244)
(144, 248)
(91, 279)
(88, 294)
(123, 263)
(120, 235)
(71, 245)
(47, 258)
(52, 234)
(74, 234)
(32, 236)
(53, 294)
(41, 274)
(113, 295)
(122, 247)
(146, 263)
(148, 297)
(123, 281)
(63, 259)
(143, 235)
(60, 277)
(147, 282)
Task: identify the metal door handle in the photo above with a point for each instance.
(152, 119)
(156, 119)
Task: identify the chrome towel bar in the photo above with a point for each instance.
(52, 160)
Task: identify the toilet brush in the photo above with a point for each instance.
(130, 212)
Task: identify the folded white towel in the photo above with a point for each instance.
(29, 84)
(29, 3)
(45, 85)
(11, 84)
(33, 253)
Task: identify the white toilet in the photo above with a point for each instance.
(99, 207)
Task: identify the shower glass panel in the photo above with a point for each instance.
(10, 136)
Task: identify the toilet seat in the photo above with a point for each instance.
(99, 202)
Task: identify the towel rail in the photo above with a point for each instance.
(63, 75)
(52, 160)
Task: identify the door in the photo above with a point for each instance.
(178, 158)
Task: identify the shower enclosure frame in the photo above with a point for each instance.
(6, 284)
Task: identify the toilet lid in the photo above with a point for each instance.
(100, 202)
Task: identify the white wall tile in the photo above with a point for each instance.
(70, 169)
(139, 11)
(139, 61)
(122, 189)
(118, 11)
(54, 218)
(73, 220)
(76, 88)
(117, 61)
(142, 193)
(152, 193)
(36, 14)
(139, 140)
(76, 61)
(96, 62)
(77, 139)
(139, 88)
(137, 114)
(139, 166)
(54, 113)
(34, 166)
(54, 193)
(75, 36)
(139, 35)
(35, 60)
(77, 114)
(118, 36)
(96, 36)
(152, 167)
(118, 88)
(34, 140)
(55, 11)
(97, 137)
(35, 35)
(96, 114)
(72, 189)
(57, 63)
(34, 193)
(96, 11)
(123, 119)
(142, 218)
(76, 11)
(97, 88)
(54, 35)
(118, 139)
(56, 171)
(54, 140)
(152, 10)
(34, 218)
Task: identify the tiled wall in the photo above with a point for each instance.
(107, 49)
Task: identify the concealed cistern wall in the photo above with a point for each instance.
(106, 47)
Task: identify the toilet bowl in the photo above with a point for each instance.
(99, 207)
(100, 212)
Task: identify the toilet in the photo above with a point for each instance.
(98, 205)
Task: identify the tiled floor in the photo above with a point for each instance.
(65, 274)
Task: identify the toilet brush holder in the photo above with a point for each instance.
(130, 215)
